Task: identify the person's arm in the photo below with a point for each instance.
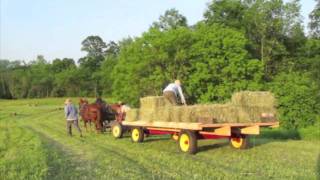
(66, 111)
(75, 108)
(183, 100)
(75, 111)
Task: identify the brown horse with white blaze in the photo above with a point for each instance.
(98, 113)
(90, 113)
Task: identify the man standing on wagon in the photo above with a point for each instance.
(172, 91)
(71, 114)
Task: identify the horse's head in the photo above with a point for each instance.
(82, 103)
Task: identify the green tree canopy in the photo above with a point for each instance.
(171, 19)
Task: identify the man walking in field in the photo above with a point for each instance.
(71, 114)
(172, 91)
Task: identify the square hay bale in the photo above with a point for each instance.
(217, 113)
(255, 113)
(253, 98)
(132, 115)
(163, 114)
(148, 115)
(254, 104)
(183, 114)
(152, 102)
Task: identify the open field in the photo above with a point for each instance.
(34, 145)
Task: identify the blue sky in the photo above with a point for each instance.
(55, 28)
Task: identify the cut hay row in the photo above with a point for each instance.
(244, 107)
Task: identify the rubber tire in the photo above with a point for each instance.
(193, 142)
(120, 129)
(141, 135)
(245, 144)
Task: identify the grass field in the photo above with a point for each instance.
(34, 145)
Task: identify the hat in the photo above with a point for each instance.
(67, 101)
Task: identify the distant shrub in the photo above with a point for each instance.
(297, 100)
(310, 132)
(280, 133)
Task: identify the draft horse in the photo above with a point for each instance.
(90, 113)
(99, 113)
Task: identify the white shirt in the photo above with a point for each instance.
(176, 89)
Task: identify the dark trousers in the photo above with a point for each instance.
(75, 124)
(171, 96)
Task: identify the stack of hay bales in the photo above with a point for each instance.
(254, 104)
(245, 106)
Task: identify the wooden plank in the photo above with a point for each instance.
(254, 130)
(264, 124)
(223, 131)
(175, 125)
(196, 126)
(275, 125)
(164, 129)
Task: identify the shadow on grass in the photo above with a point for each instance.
(212, 146)
(318, 168)
(157, 138)
(282, 134)
(62, 162)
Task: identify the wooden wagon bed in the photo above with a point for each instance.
(223, 129)
(187, 134)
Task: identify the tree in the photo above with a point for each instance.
(229, 13)
(111, 59)
(314, 24)
(59, 65)
(171, 19)
(273, 28)
(94, 46)
(112, 49)
(148, 63)
(297, 104)
(4, 77)
(221, 65)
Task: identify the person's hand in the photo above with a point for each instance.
(184, 103)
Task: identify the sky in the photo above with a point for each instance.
(56, 28)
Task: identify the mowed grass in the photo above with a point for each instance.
(34, 145)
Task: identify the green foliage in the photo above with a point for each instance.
(272, 28)
(148, 63)
(94, 46)
(229, 13)
(171, 19)
(221, 65)
(314, 23)
(297, 103)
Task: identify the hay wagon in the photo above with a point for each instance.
(187, 134)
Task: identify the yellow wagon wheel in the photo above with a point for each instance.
(241, 142)
(137, 135)
(188, 142)
(117, 130)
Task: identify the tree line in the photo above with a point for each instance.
(238, 45)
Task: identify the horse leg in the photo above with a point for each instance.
(90, 125)
(85, 125)
(98, 122)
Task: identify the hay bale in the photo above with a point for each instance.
(244, 107)
(132, 115)
(148, 115)
(253, 98)
(254, 104)
(153, 102)
(163, 114)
